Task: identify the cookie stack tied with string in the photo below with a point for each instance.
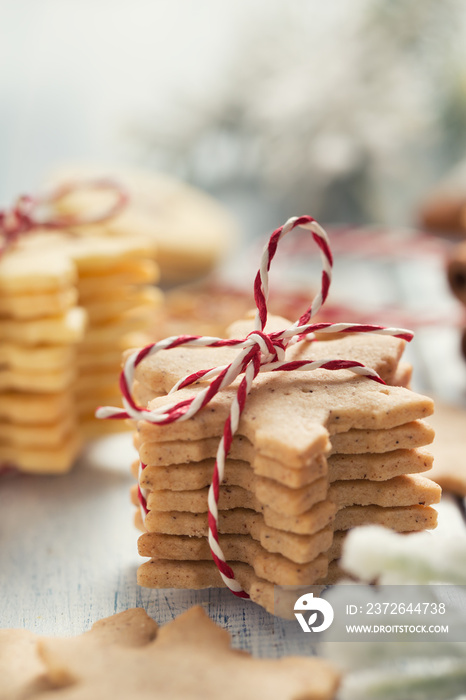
(252, 471)
(68, 306)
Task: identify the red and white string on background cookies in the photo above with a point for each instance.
(23, 217)
(258, 352)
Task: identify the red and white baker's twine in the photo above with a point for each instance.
(22, 218)
(258, 352)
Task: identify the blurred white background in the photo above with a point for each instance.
(350, 111)
(76, 76)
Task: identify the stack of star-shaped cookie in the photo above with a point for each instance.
(40, 326)
(68, 305)
(115, 286)
(316, 453)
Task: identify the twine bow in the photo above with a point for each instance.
(23, 218)
(258, 352)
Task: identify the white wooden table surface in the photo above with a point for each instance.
(68, 545)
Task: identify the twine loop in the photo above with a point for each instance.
(258, 352)
(24, 216)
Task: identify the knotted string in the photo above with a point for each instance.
(258, 352)
(23, 217)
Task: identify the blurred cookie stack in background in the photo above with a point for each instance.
(40, 328)
(72, 300)
(69, 308)
(116, 289)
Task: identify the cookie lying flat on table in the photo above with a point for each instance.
(24, 673)
(128, 656)
(21, 668)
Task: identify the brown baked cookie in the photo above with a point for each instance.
(128, 656)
